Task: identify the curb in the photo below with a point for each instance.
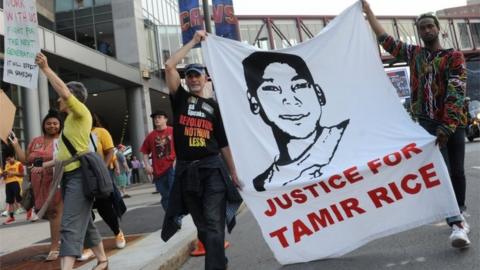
(152, 253)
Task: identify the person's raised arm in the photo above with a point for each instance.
(171, 73)
(21, 156)
(374, 23)
(58, 85)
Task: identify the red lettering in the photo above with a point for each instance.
(404, 184)
(336, 212)
(298, 196)
(312, 190)
(196, 17)
(324, 187)
(352, 175)
(217, 15)
(332, 183)
(374, 165)
(350, 205)
(272, 209)
(321, 219)
(396, 191)
(379, 194)
(286, 204)
(281, 236)
(299, 230)
(410, 148)
(427, 176)
(229, 16)
(397, 158)
(185, 25)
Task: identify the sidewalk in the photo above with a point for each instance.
(145, 250)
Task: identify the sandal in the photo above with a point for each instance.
(52, 255)
(101, 265)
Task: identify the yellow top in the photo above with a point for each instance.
(104, 140)
(16, 167)
(76, 128)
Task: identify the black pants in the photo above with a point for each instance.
(208, 213)
(135, 176)
(454, 156)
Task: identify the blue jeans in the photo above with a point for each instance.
(454, 155)
(164, 184)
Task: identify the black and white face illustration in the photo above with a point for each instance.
(282, 91)
(288, 100)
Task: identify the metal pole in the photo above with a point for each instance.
(206, 16)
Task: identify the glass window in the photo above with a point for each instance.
(67, 32)
(475, 29)
(102, 2)
(446, 34)
(285, 33)
(86, 36)
(311, 27)
(463, 35)
(105, 38)
(406, 28)
(151, 46)
(249, 30)
(81, 4)
(63, 5)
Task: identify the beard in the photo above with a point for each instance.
(430, 39)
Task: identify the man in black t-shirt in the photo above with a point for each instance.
(202, 185)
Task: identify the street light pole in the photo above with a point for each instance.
(206, 16)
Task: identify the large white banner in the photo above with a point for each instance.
(329, 158)
(21, 42)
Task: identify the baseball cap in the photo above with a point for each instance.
(158, 112)
(198, 68)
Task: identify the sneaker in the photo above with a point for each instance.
(29, 214)
(5, 213)
(126, 196)
(87, 254)
(459, 237)
(466, 226)
(19, 211)
(9, 220)
(120, 240)
(34, 218)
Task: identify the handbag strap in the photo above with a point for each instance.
(93, 143)
(69, 145)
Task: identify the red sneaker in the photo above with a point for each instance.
(9, 220)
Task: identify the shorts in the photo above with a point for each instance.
(121, 180)
(12, 190)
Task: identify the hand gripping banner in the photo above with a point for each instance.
(328, 157)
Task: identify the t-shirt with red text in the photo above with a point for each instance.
(159, 143)
(198, 128)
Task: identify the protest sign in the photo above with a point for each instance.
(21, 43)
(7, 116)
(400, 80)
(328, 157)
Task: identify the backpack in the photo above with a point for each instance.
(97, 180)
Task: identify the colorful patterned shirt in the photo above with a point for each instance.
(437, 81)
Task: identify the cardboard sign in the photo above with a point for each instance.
(7, 116)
